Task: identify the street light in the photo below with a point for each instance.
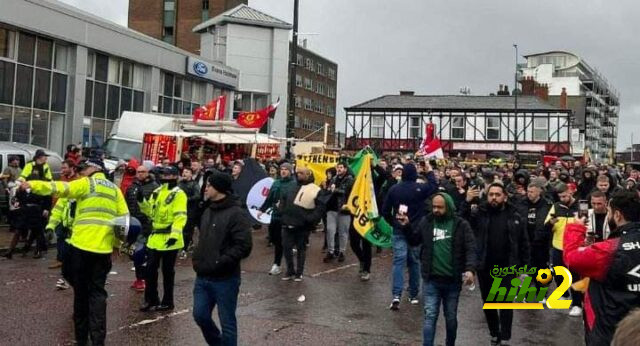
(515, 94)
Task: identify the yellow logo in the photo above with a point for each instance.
(544, 276)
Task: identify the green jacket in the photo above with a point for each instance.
(280, 186)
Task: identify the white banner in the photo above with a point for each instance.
(256, 198)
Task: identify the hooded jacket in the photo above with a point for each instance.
(302, 206)
(408, 192)
(224, 240)
(463, 246)
(280, 186)
(129, 175)
(524, 174)
(587, 184)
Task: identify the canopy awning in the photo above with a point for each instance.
(238, 138)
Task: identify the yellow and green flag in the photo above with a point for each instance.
(362, 202)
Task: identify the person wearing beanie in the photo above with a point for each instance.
(448, 253)
(224, 240)
(282, 185)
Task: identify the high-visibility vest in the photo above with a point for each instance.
(27, 172)
(98, 203)
(167, 210)
(63, 213)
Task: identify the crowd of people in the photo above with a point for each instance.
(452, 224)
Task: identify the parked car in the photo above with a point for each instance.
(25, 153)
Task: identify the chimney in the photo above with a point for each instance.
(541, 91)
(563, 98)
(528, 86)
(406, 93)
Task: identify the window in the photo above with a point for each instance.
(59, 92)
(39, 124)
(90, 64)
(60, 62)
(457, 128)
(41, 91)
(493, 128)
(88, 98)
(138, 76)
(169, 21)
(299, 81)
(307, 104)
(168, 84)
(127, 73)
(320, 69)
(24, 83)
(331, 92)
(297, 122)
(5, 123)
(99, 99)
(308, 84)
(26, 48)
(21, 125)
(377, 127)
(298, 102)
(113, 106)
(299, 60)
(102, 66)
(308, 64)
(321, 89)
(114, 70)
(126, 99)
(205, 4)
(332, 73)
(6, 81)
(7, 43)
(414, 127)
(45, 52)
(540, 129)
(138, 101)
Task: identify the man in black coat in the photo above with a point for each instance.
(224, 240)
(501, 237)
(448, 253)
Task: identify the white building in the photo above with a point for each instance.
(595, 102)
(258, 45)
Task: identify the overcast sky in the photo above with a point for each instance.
(436, 47)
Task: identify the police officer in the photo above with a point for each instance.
(167, 208)
(35, 209)
(88, 262)
(60, 222)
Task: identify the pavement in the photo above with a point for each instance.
(339, 309)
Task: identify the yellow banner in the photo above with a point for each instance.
(362, 202)
(318, 164)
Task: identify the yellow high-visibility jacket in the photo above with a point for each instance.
(167, 210)
(98, 203)
(62, 214)
(28, 170)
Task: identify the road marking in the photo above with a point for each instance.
(149, 321)
(333, 270)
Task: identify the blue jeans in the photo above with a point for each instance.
(434, 293)
(207, 294)
(404, 255)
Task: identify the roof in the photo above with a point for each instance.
(225, 137)
(449, 102)
(243, 14)
(552, 52)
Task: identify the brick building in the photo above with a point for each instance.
(173, 20)
(315, 95)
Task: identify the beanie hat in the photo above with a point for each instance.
(287, 166)
(221, 182)
(539, 183)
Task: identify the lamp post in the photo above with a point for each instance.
(292, 80)
(515, 106)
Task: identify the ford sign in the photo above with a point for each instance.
(200, 68)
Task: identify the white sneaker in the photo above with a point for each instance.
(395, 304)
(183, 255)
(414, 301)
(61, 284)
(275, 270)
(575, 311)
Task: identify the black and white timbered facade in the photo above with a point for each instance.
(464, 124)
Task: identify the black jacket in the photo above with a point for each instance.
(297, 216)
(137, 192)
(341, 193)
(193, 197)
(225, 239)
(535, 214)
(519, 251)
(464, 245)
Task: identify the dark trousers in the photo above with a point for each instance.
(168, 259)
(62, 234)
(556, 260)
(275, 236)
(87, 273)
(209, 293)
(294, 237)
(187, 232)
(34, 222)
(361, 248)
(499, 321)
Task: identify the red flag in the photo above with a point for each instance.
(258, 118)
(212, 111)
(434, 148)
(221, 105)
(429, 136)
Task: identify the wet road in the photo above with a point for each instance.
(339, 309)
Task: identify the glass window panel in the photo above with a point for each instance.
(7, 43)
(21, 125)
(102, 66)
(166, 105)
(24, 85)
(138, 101)
(99, 99)
(7, 70)
(90, 63)
(169, 5)
(177, 107)
(61, 57)
(186, 108)
(138, 76)
(259, 101)
(177, 87)
(97, 132)
(125, 100)
(114, 70)
(45, 52)
(168, 84)
(39, 128)
(59, 92)
(108, 125)
(187, 90)
(57, 127)
(113, 107)
(43, 82)
(88, 98)
(5, 123)
(26, 48)
(127, 73)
